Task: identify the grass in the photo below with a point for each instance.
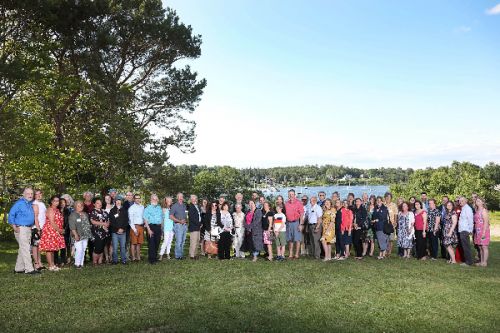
(495, 218)
(207, 295)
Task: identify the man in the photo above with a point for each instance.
(295, 223)
(260, 204)
(465, 228)
(239, 201)
(178, 215)
(304, 244)
(335, 197)
(314, 215)
(364, 200)
(21, 218)
(194, 215)
(433, 228)
(425, 202)
(153, 217)
(136, 223)
(393, 218)
(129, 201)
(255, 198)
(322, 198)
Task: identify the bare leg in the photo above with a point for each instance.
(389, 248)
(451, 252)
(290, 250)
(347, 251)
(36, 256)
(270, 252)
(372, 247)
(365, 248)
(297, 250)
(138, 252)
(50, 259)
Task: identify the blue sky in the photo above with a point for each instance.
(360, 83)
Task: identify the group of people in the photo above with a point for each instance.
(69, 231)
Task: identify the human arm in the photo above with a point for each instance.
(131, 219)
(72, 226)
(437, 224)
(52, 220)
(146, 218)
(36, 211)
(424, 216)
(486, 223)
(453, 225)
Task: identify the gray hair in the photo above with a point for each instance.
(88, 193)
(69, 199)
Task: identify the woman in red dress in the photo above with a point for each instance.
(53, 233)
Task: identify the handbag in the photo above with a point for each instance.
(214, 231)
(388, 227)
(211, 247)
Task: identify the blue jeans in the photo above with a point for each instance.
(180, 231)
(123, 251)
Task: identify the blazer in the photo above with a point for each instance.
(194, 218)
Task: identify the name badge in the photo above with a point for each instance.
(116, 215)
(78, 220)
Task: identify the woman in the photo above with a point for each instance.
(267, 225)
(346, 228)
(369, 232)
(328, 235)
(226, 225)
(253, 228)
(239, 233)
(168, 228)
(406, 220)
(400, 202)
(79, 225)
(420, 230)
(52, 233)
(70, 249)
(108, 203)
(412, 204)
(40, 211)
(339, 243)
(118, 222)
(203, 210)
(379, 219)
(100, 230)
(358, 227)
(60, 256)
(280, 201)
(211, 225)
(450, 236)
(108, 248)
(482, 229)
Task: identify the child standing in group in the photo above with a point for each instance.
(168, 228)
(279, 228)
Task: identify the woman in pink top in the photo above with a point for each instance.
(420, 227)
(482, 231)
(346, 227)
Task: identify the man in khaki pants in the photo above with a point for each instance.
(22, 218)
(194, 217)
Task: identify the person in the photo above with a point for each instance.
(400, 202)
(222, 199)
(379, 218)
(108, 203)
(60, 256)
(255, 229)
(22, 218)
(465, 229)
(226, 225)
(267, 226)
(328, 234)
(279, 227)
(346, 228)
(424, 200)
(136, 225)
(314, 215)
(369, 232)
(118, 221)
(420, 230)
(321, 198)
(280, 201)
(100, 231)
(350, 200)
(79, 225)
(194, 214)
(168, 228)
(359, 222)
(433, 228)
(450, 236)
(442, 209)
(113, 194)
(40, 210)
(412, 203)
(482, 231)
(178, 215)
(239, 201)
(211, 224)
(153, 218)
(129, 201)
(406, 231)
(255, 198)
(68, 239)
(52, 233)
(335, 197)
(304, 244)
(294, 211)
(393, 219)
(108, 248)
(364, 199)
(260, 205)
(204, 205)
(239, 232)
(88, 207)
(339, 242)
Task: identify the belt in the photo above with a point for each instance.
(140, 225)
(292, 221)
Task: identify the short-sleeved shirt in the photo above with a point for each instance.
(294, 210)
(314, 213)
(265, 219)
(178, 210)
(431, 219)
(279, 222)
(153, 214)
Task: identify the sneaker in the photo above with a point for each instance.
(33, 272)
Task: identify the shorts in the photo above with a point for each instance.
(139, 239)
(346, 239)
(99, 245)
(293, 233)
(35, 238)
(281, 239)
(267, 237)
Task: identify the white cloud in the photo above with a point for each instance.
(463, 29)
(494, 10)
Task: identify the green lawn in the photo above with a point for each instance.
(495, 218)
(207, 295)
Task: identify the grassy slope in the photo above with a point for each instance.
(390, 296)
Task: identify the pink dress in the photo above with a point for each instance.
(478, 230)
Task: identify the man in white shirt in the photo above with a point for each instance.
(136, 222)
(314, 215)
(465, 228)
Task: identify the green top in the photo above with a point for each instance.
(80, 222)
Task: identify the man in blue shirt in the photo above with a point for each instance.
(22, 218)
(179, 216)
(153, 217)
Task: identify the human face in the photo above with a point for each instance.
(358, 203)
(365, 197)
(379, 202)
(55, 202)
(255, 196)
(38, 195)
(118, 203)
(214, 206)
(79, 207)
(314, 200)
(321, 196)
(405, 207)
(262, 200)
(346, 204)
(291, 195)
(98, 204)
(113, 194)
(251, 204)
(180, 198)
(154, 200)
(304, 200)
(137, 199)
(462, 202)
(388, 199)
(424, 197)
(225, 207)
(194, 199)
(338, 204)
(238, 208)
(328, 204)
(129, 196)
(449, 206)
(107, 199)
(168, 202)
(62, 203)
(238, 197)
(417, 205)
(479, 203)
(432, 204)
(445, 201)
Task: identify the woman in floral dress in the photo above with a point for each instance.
(482, 231)
(406, 221)
(450, 237)
(100, 231)
(328, 236)
(53, 232)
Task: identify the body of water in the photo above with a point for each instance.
(358, 190)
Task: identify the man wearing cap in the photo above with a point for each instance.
(21, 218)
(178, 215)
